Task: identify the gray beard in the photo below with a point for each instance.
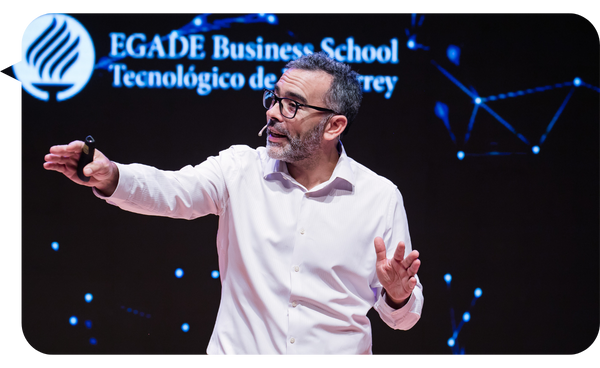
(297, 148)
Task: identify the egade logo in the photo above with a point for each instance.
(57, 58)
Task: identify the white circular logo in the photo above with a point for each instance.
(57, 58)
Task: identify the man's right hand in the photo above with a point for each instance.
(103, 173)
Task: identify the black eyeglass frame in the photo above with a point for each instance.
(296, 103)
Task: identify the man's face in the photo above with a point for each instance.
(293, 140)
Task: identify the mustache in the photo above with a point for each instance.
(280, 129)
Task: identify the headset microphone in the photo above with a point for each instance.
(262, 130)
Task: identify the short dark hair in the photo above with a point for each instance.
(345, 93)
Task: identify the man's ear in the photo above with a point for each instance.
(335, 126)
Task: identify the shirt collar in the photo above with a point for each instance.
(343, 169)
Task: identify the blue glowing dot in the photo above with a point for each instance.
(453, 53)
(535, 149)
(185, 327)
(128, 310)
(135, 312)
(88, 297)
(55, 245)
(88, 324)
(448, 278)
(214, 274)
(410, 44)
(441, 110)
(460, 155)
(93, 341)
(73, 320)
(478, 292)
(179, 273)
(477, 100)
(577, 82)
(451, 342)
(198, 21)
(271, 19)
(466, 316)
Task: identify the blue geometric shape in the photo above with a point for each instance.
(88, 324)
(453, 53)
(535, 149)
(466, 316)
(185, 327)
(478, 292)
(441, 111)
(577, 82)
(179, 273)
(88, 297)
(214, 274)
(447, 278)
(451, 342)
(93, 341)
(55, 245)
(460, 155)
(73, 320)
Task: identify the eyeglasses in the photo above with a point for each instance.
(287, 106)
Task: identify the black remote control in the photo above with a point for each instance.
(87, 156)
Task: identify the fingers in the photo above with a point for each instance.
(67, 149)
(414, 268)
(98, 168)
(380, 249)
(399, 253)
(63, 157)
(411, 263)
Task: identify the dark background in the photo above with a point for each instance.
(522, 227)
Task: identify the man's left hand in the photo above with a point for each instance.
(397, 275)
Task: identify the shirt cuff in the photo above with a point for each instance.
(122, 190)
(399, 319)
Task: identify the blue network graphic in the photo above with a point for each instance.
(441, 109)
(89, 297)
(466, 317)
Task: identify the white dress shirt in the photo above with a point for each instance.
(297, 266)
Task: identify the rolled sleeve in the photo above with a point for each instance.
(407, 316)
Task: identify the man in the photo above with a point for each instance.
(297, 220)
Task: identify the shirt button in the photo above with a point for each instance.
(292, 340)
(294, 304)
(296, 268)
(302, 231)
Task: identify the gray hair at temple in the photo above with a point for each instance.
(345, 94)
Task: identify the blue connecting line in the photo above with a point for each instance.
(200, 24)
(454, 80)
(560, 110)
(479, 102)
(503, 122)
(471, 122)
(466, 317)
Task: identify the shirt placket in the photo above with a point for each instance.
(297, 277)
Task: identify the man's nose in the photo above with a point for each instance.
(274, 113)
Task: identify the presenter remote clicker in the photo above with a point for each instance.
(87, 156)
